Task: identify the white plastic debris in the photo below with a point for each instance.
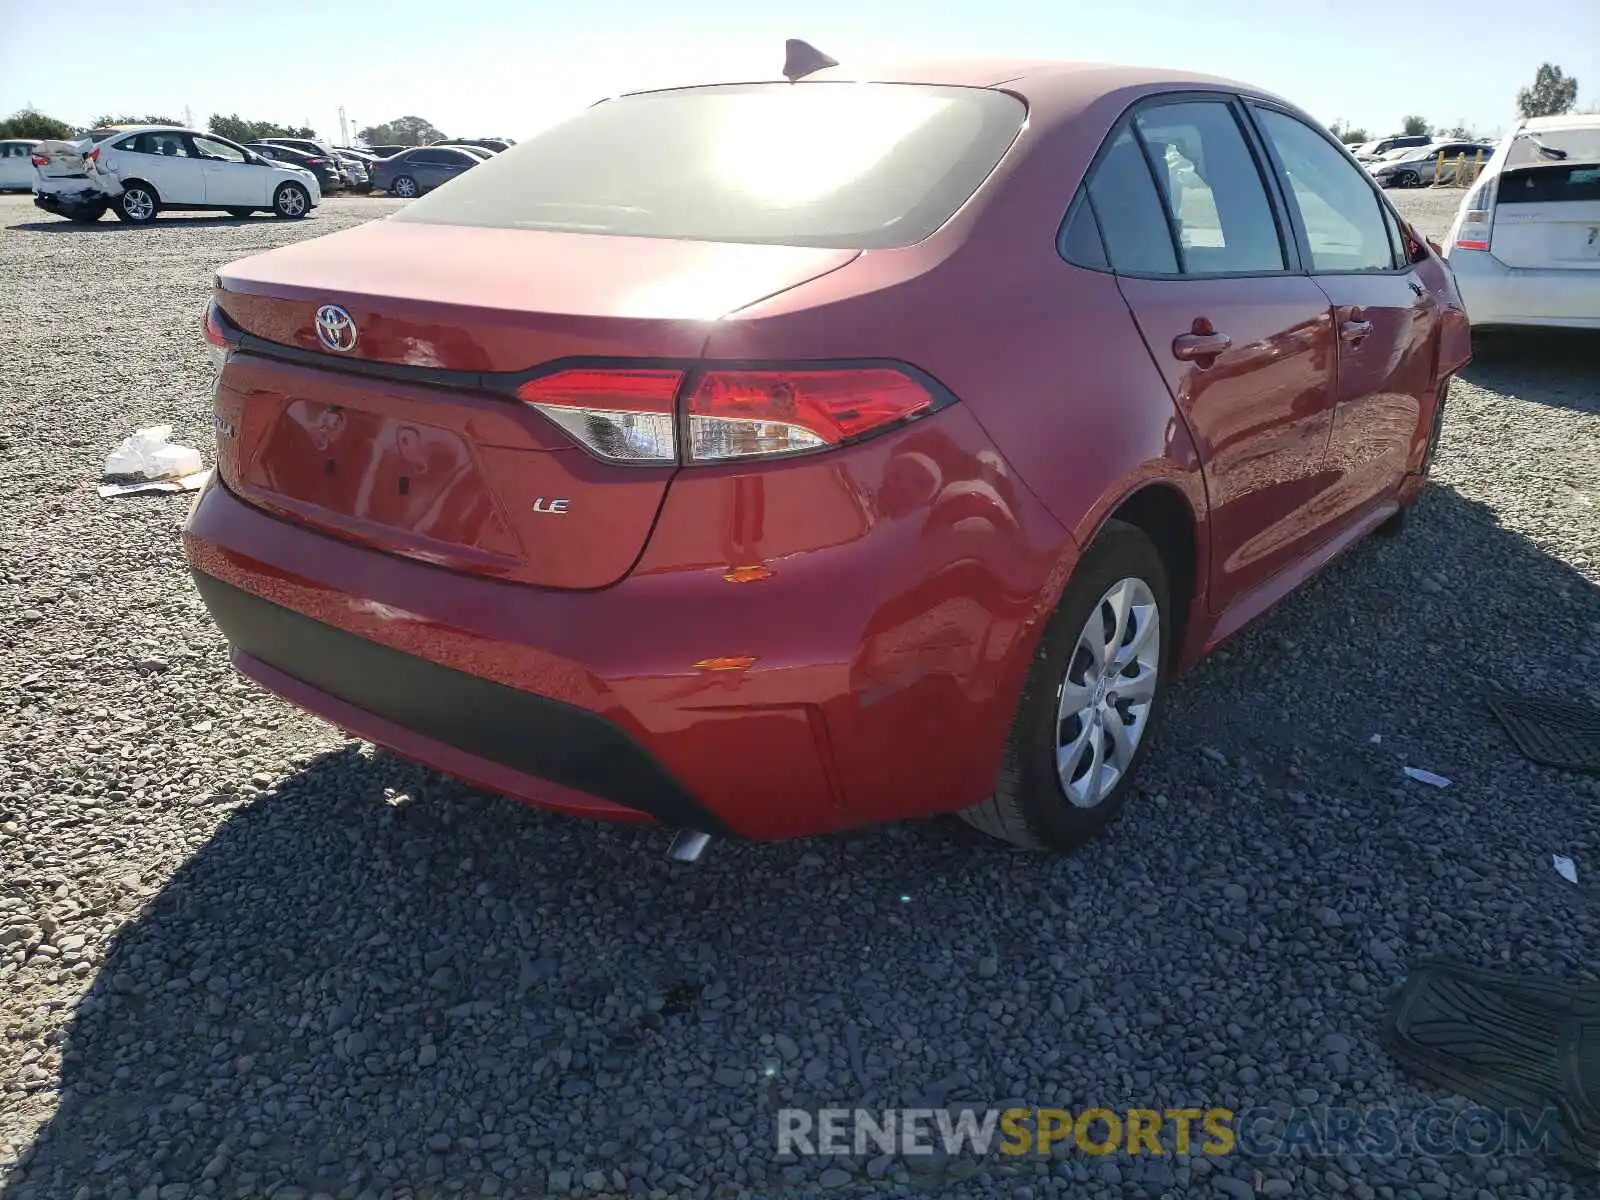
(1565, 867)
(1376, 739)
(149, 453)
(1427, 777)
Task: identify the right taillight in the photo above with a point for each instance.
(754, 414)
(641, 415)
(40, 160)
(625, 416)
(1477, 221)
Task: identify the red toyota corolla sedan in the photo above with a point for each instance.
(769, 458)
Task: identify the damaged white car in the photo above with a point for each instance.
(137, 171)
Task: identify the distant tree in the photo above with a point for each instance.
(1458, 131)
(236, 128)
(1552, 93)
(403, 131)
(101, 122)
(1354, 136)
(31, 123)
(1411, 126)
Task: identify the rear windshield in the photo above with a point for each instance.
(1552, 184)
(847, 165)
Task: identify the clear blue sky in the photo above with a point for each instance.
(484, 67)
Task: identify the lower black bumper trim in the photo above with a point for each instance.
(526, 732)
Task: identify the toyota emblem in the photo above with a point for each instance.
(336, 329)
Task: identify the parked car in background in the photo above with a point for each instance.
(924, 453)
(478, 152)
(139, 172)
(1368, 151)
(329, 177)
(16, 163)
(421, 169)
(357, 170)
(1525, 244)
(320, 148)
(386, 151)
(495, 145)
(1417, 165)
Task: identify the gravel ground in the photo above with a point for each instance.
(243, 956)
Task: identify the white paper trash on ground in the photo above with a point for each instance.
(184, 483)
(150, 453)
(1427, 777)
(1565, 867)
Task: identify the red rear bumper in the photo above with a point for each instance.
(510, 687)
(875, 660)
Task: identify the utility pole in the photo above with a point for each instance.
(188, 117)
(344, 128)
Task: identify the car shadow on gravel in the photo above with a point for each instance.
(371, 977)
(1558, 367)
(107, 224)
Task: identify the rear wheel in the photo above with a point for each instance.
(291, 201)
(138, 204)
(404, 187)
(1091, 702)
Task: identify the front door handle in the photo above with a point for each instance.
(1354, 327)
(1201, 345)
(1416, 288)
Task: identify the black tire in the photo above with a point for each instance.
(403, 187)
(1407, 179)
(87, 215)
(139, 203)
(240, 212)
(291, 201)
(1029, 807)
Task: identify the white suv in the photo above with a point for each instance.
(1525, 246)
(139, 171)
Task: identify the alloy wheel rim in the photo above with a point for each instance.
(405, 188)
(1107, 694)
(292, 203)
(138, 205)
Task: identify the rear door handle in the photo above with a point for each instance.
(1202, 344)
(1354, 326)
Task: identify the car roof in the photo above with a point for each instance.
(1071, 85)
(1564, 121)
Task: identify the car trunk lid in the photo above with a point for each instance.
(1548, 216)
(410, 440)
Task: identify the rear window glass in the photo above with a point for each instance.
(1546, 185)
(848, 165)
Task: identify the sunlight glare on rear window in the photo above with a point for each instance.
(789, 148)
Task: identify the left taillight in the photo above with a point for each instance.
(217, 336)
(93, 155)
(719, 415)
(40, 160)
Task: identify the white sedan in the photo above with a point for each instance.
(1525, 246)
(16, 163)
(137, 172)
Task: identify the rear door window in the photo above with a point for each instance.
(1212, 188)
(1132, 216)
(847, 165)
(1337, 202)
